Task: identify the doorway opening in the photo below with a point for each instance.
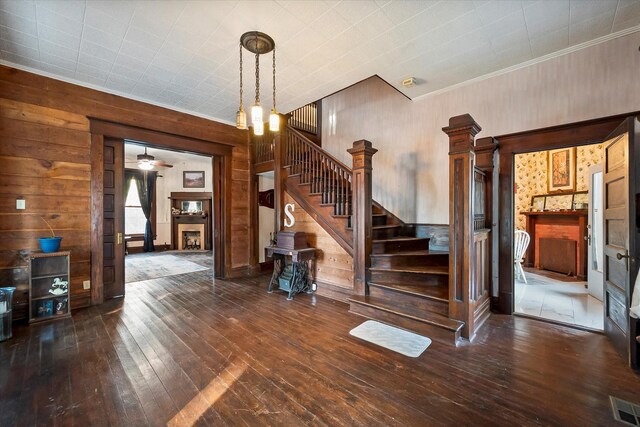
(558, 238)
(168, 212)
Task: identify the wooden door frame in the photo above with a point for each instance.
(568, 135)
(221, 179)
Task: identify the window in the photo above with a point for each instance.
(134, 220)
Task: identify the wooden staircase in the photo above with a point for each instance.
(409, 283)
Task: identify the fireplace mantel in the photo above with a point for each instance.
(201, 218)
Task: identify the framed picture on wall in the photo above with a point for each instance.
(193, 179)
(561, 170)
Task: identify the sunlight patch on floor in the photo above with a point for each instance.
(193, 410)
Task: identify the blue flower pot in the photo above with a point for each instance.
(49, 244)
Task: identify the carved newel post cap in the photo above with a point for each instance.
(362, 147)
(462, 123)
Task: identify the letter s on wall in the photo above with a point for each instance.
(289, 221)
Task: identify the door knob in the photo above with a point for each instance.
(620, 256)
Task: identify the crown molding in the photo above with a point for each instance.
(535, 61)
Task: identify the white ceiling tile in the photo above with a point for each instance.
(120, 83)
(542, 18)
(354, 10)
(144, 90)
(186, 39)
(33, 62)
(100, 20)
(98, 51)
(92, 61)
(374, 25)
(627, 15)
(130, 73)
(121, 11)
(156, 76)
(506, 25)
(434, 17)
(93, 71)
(492, 11)
(157, 17)
(550, 42)
(53, 69)
(203, 18)
(177, 53)
(52, 19)
(518, 37)
(19, 23)
(71, 9)
(401, 10)
(329, 24)
(143, 38)
(24, 9)
(598, 26)
(61, 38)
(108, 40)
(19, 37)
(130, 62)
(305, 10)
(58, 61)
(18, 49)
(139, 52)
(96, 81)
(582, 10)
(57, 50)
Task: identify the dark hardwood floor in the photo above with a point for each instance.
(188, 350)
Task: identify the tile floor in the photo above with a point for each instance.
(566, 302)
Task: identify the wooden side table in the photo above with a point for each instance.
(303, 268)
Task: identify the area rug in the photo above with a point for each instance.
(138, 268)
(392, 338)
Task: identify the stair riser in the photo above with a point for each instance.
(425, 279)
(410, 301)
(402, 260)
(434, 332)
(399, 246)
(379, 220)
(385, 233)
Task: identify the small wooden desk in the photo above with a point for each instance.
(303, 263)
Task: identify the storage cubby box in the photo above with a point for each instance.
(49, 286)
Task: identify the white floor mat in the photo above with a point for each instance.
(392, 338)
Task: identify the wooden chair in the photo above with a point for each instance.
(520, 244)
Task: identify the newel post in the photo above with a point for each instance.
(278, 180)
(462, 131)
(361, 221)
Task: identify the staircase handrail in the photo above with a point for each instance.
(313, 146)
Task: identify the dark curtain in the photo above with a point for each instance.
(146, 184)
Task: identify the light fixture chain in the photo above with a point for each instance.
(240, 75)
(274, 78)
(257, 78)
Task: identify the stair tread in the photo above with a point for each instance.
(381, 227)
(411, 253)
(417, 315)
(440, 293)
(399, 239)
(440, 270)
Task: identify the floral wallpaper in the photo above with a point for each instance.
(531, 176)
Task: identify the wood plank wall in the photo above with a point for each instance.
(45, 159)
(334, 266)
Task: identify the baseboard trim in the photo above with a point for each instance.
(332, 291)
(139, 249)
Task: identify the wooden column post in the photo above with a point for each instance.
(461, 131)
(361, 221)
(278, 180)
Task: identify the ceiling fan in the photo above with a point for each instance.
(148, 162)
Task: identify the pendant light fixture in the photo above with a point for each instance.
(241, 116)
(274, 118)
(259, 44)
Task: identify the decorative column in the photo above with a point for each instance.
(461, 131)
(361, 220)
(278, 180)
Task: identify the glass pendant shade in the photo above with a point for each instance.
(258, 128)
(145, 165)
(241, 119)
(256, 114)
(274, 121)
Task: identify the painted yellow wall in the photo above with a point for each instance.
(411, 171)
